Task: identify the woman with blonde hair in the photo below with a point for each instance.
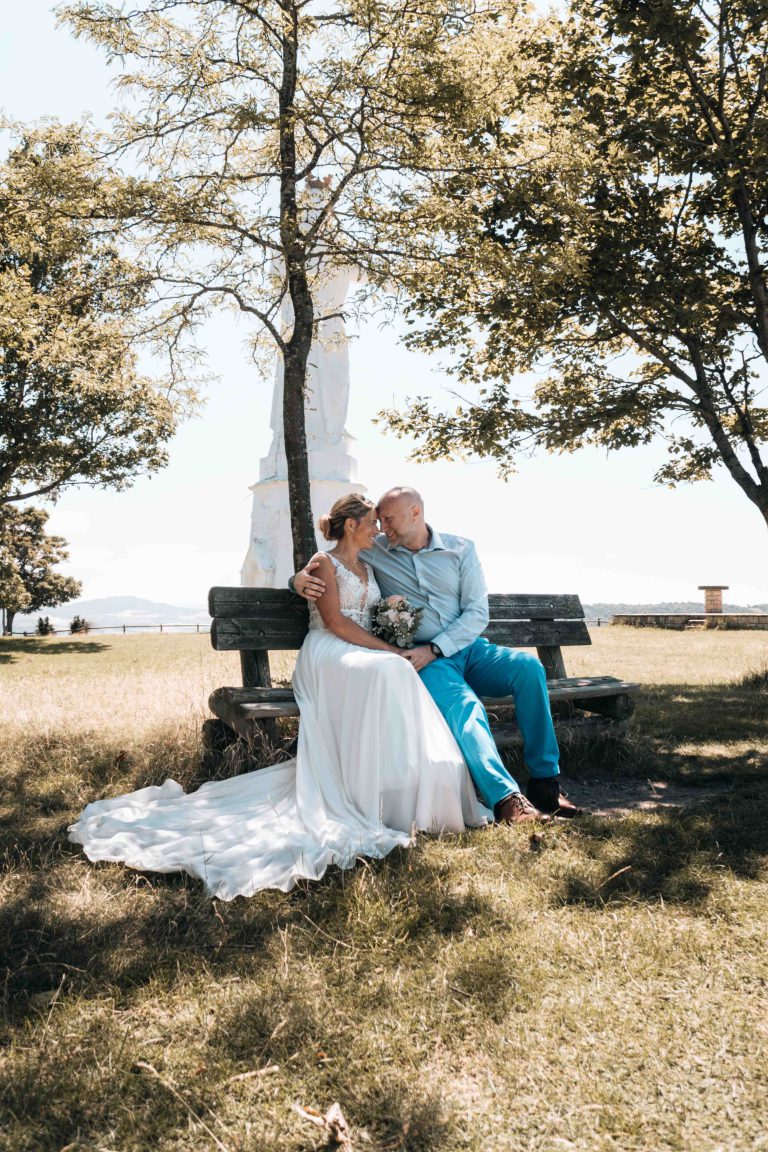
(375, 758)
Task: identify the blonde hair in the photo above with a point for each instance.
(352, 507)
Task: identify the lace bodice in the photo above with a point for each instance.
(356, 600)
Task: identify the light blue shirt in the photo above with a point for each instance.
(444, 578)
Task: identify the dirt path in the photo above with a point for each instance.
(620, 797)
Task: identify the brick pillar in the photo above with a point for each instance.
(713, 597)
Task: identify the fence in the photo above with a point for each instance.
(117, 629)
(121, 629)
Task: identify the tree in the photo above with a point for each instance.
(28, 557)
(269, 132)
(613, 238)
(74, 408)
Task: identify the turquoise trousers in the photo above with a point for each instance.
(456, 682)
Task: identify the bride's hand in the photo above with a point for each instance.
(420, 656)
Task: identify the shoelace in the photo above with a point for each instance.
(521, 803)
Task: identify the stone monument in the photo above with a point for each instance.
(332, 468)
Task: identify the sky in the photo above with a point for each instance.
(591, 523)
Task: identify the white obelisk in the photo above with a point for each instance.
(332, 468)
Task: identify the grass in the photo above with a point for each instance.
(601, 988)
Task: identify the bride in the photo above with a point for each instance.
(375, 759)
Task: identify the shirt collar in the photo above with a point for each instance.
(434, 544)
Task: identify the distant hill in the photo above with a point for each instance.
(114, 611)
(695, 607)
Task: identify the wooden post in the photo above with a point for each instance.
(551, 657)
(256, 674)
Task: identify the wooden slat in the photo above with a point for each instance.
(567, 731)
(537, 633)
(569, 688)
(253, 601)
(273, 618)
(231, 634)
(574, 687)
(254, 695)
(287, 631)
(503, 606)
(245, 718)
(245, 708)
(266, 711)
(523, 606)
(611, 698)
(286, 612)
(619, 707)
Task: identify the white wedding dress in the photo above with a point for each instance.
(375, 762)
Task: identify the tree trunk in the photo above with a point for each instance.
(762, 503)
(8, 618)
(296, 352)
(299, 492)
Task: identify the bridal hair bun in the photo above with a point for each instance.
(352, 507)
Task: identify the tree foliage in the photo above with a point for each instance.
(272, 134)
(608, 231)
(28, 558)
(74, 407)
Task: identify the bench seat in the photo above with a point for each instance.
(255, 621)
(241, 708)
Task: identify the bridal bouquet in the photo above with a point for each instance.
(395, 620)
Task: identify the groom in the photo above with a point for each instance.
(442, 575)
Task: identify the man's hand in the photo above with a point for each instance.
(308, 586)
(420, 656)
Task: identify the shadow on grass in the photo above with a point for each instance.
(164, 933)
(9, 647)
(69, 1101)
(103, 926)
(687, 733)
(706, 711)
(677, 856)
(405, 1116)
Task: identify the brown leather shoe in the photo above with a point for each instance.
(545, 792)
(515, 809)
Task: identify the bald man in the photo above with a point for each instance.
(442, 575)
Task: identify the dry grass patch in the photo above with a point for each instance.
(605, 991)
(660, 656)
(702, 714)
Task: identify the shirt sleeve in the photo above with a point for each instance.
(473, 601)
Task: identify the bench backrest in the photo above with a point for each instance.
(255, 621)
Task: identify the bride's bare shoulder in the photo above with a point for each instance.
(322, 560)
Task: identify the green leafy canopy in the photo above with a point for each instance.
(28, 557)
(74, 406)
(602, 224)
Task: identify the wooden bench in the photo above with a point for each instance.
(257, 621)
